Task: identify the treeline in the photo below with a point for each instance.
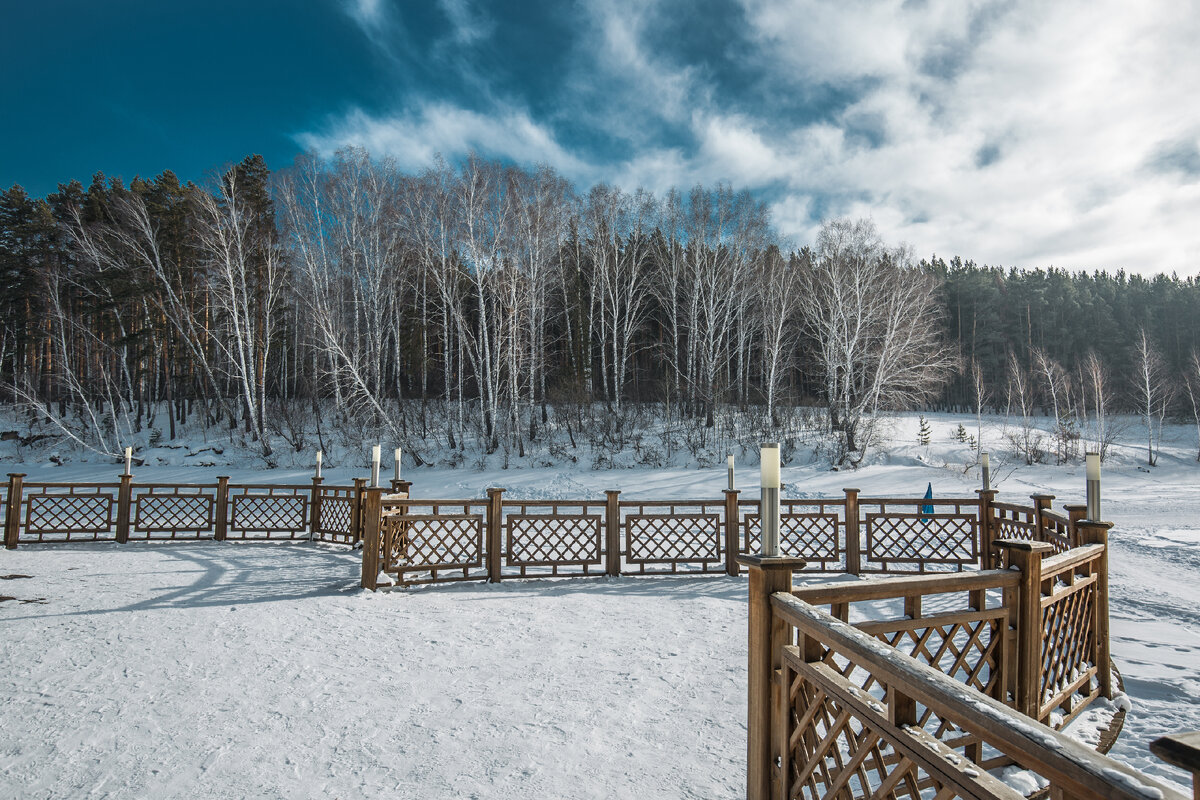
(484, 307)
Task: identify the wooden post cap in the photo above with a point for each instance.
(1024, 544)
(792, 563)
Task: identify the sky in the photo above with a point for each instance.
(1012, 132)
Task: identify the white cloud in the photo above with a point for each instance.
(1071, 100)
(1017, 133)
(414, 139)
(367, 13)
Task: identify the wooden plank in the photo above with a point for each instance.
(876, 627)
(882, 589)
(1061, 562)
(1181, 750)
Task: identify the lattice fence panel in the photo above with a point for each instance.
(843, 744)
(433, 541)
(269, 513)
(173, 513)
(1009, 528)
(968, 650)
(333, 518)
(1068, 641)
(922, 538)
(553, 540)
(675, 538)
(75, 515)
(811, 536)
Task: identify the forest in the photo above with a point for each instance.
(484, 307)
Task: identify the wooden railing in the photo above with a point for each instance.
(938, 700)
(126, 511)
(494, 538)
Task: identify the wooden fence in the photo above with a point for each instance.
(125, 511)
(926, 703)
(493, 538)
(919, 705)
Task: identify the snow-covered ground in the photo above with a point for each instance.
(259, 669)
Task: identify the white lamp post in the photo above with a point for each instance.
(375, 465)
(769, 499)
(986, 465)
(1093, 486)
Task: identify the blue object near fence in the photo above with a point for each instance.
(927, 509)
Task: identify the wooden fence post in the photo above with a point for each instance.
(1041, 502)
(12, 509)
(768, 635)
(987, 557)
(401, 486)
(1027, 557)
(314, 508)
(371, 513)
(853, 545)
(612, 533)
(356, 518)
(124, 508)
(733, 547)
(495, 516)
(221, 524)
(1075, 513)
(1092, 532)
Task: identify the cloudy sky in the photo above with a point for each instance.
(1016, 133)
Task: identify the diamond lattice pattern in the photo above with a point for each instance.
(170, 512)
(1007, 528)
(966, 651)
(811, 536)
(546, 540)
(842, 744)
(269, 513)
(663, 538)
(1067, 637)
(929, 538)
(334, 515)
(436, 541)
(69, 513)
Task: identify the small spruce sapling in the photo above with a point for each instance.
(924, 434)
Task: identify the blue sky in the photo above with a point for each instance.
(1013, 132)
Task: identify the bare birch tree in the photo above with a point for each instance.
(1191, 382)
(873, 321)
(776, 290)
(1152, 391)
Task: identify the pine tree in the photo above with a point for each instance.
(924, 434)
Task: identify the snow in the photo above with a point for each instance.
(259, 669)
